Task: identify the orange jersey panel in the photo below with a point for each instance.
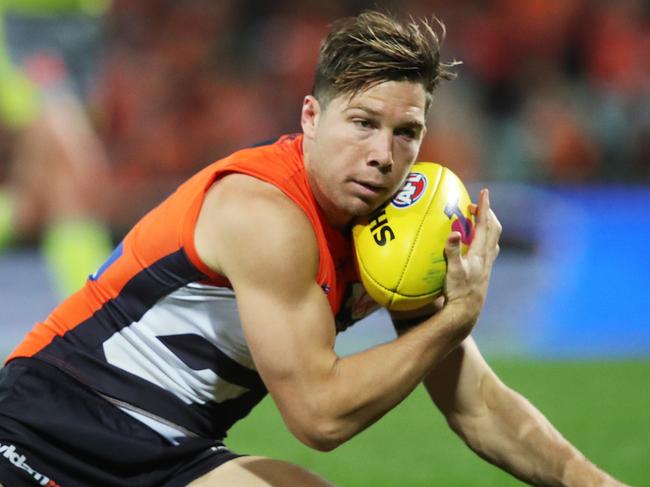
(156, 330)
(169, 228)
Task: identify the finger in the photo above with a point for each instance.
(479, 243)
(484, 205)
(494, 231)
(452, 247)
(472, 209)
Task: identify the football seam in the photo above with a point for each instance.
(419, 231)
(394, 292)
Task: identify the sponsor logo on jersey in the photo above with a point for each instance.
(363, 305)
(413, 188)
(356, 305)
(9, 453)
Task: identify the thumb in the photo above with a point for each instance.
(452, 247)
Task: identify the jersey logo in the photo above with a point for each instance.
(117, 253)
(413, 188)
(356, 305)
(10, 453)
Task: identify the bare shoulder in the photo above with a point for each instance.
(249, 227)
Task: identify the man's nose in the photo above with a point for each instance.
(381, 154)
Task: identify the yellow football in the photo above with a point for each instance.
(399, 248)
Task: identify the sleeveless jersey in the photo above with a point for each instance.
(157, 332)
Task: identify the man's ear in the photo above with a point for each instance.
(309, 116)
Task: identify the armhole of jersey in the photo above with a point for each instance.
(189, 227)
(193, 216)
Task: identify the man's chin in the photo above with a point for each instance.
(365, 208)
(358, 209)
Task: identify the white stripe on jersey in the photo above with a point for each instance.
(207, 311)
(170, 433)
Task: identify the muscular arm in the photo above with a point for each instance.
(264, 244)
(496, 422)
(503, 427)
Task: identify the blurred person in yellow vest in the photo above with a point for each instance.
(52, 187)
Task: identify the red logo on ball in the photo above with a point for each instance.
(414, 187)
(461, 224)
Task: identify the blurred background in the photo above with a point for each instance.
(551, 110)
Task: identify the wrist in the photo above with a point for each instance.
(458, 318)
(462, 312)
(467, 304)
(580, 472)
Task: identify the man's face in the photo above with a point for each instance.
(359, 150)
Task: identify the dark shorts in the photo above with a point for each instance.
(54, 431)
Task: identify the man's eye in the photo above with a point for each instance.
(408, 133)
(363, 123)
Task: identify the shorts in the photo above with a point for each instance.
(55, 431)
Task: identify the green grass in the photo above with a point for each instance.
(601, 407)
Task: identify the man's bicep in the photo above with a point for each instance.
(265, 245)
(291, 341)
(286, 334)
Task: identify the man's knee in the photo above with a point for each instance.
(260, 472)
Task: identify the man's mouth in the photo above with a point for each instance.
(370, 187)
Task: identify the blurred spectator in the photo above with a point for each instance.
(55, 165)
(549, 92)
(616, 52)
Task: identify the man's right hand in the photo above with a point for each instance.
(468, 275)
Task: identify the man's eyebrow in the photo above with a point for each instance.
(413, 124)
(368, 110)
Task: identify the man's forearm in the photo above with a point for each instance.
(511, 433)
